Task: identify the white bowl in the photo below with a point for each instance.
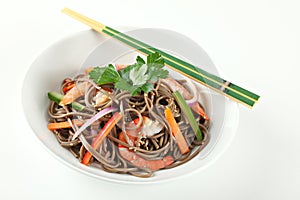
(70, 55)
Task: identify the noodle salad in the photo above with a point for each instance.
(129, 119)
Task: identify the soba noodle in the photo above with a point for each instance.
(107, 156)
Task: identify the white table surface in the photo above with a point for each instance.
(255, 43)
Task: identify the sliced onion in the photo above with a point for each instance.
(92, 120)
(192, 88)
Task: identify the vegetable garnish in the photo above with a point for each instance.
(101, 135)
(191, 99)
(102, 75)
(135, 78)
(57, 97)
(92, 120)
(188, 113)
(60, 125)
(181, 142)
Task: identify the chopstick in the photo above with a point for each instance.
(199, 75)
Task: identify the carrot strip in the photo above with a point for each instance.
(60, 125)
(101, 135)
(183, 147)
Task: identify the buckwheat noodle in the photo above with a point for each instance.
(107, 157)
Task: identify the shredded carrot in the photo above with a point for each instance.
(101, 135)
(60, 125)
(183, 147)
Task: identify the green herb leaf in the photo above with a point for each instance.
(96, 73)
(155, 59)
(138, 75)
(147, 87)
(122, 84)
(156, 73)
(136, 78)
(136, 91)
(124, 73)
(102, 75)
(140, 60)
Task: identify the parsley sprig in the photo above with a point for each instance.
(136, 78)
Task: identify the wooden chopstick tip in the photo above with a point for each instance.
(69, 12)
(66, 10)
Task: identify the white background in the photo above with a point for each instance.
(255, 43)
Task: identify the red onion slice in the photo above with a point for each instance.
(92, 120)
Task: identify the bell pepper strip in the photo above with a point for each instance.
(56, 97)
(189, 115)
(180, 140)
(101, 135)
(60, 125)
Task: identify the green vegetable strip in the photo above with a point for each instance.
(233, 90)
(56, 97)
(188, 113)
